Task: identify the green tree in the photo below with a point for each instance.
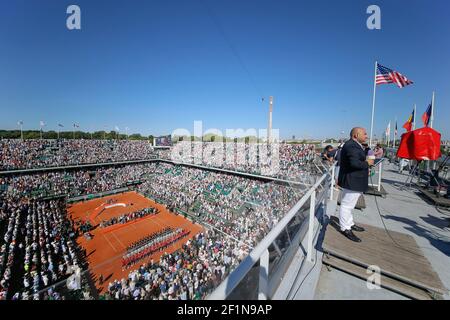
(98, 135)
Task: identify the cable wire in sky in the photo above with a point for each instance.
(232, 48)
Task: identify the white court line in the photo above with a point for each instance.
(155, 220)
(104, 236)
(114, 235)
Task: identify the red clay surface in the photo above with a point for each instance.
(108, 245)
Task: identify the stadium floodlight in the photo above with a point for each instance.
(59, 126)
(41, 124)
(20, 124)
(74, 126)
(117, 132)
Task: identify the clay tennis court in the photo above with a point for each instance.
(106, 248)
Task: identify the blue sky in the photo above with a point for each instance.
(155, 66)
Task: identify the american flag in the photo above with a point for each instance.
(386, 75)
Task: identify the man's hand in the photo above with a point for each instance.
(370, 162)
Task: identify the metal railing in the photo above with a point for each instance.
(261, 251)
(377, 171)
(91, 196)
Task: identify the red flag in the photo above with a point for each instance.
(408, 124)
(420, 144)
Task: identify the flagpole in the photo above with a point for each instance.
(20, 123)
(414, 124)
(73, 133)
(373, 101)
(389, 134)
(433, 165)
(395, 133)
(432, 111)
(389, 138)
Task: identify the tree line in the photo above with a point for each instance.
(97, 135)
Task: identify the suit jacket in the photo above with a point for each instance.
(354, 170)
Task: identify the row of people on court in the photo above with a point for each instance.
(156, 238)
(128, 217)
(148, 239)
(155, 245)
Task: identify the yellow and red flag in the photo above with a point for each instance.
(408, 124)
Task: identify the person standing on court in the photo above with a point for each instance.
(353, 179)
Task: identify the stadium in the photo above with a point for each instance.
(93, 219)
(210, 151)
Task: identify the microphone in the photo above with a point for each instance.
(371, 155)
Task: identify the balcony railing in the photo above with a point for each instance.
(260, 273)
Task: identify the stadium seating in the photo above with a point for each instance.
(37, 239)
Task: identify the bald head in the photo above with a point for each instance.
(358, 134)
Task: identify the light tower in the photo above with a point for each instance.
(269, 129)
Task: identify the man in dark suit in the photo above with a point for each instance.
(353, 179)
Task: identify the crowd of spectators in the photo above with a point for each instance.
(74, 182)
(284, 161)
(27, 154)
(217, 197)
(38, 247)
(278, 160)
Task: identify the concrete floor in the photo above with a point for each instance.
(403, 210)
(338, 285)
